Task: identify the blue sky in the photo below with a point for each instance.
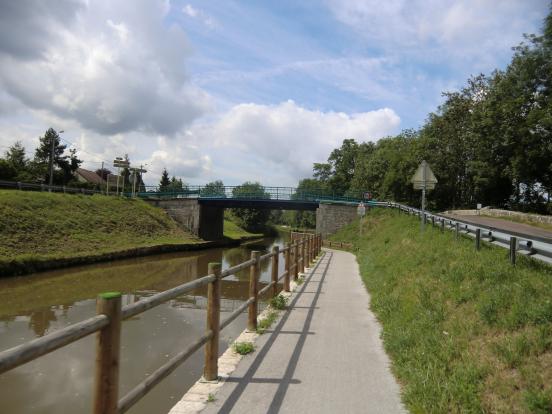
(240, 90)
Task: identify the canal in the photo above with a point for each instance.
(35, 305)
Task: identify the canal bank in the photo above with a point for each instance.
(45, 231)
(35, 305)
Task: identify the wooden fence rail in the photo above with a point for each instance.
(298, 254)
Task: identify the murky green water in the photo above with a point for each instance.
(35, 305)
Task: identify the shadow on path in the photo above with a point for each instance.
(287, 379)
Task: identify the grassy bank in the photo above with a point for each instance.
(40, 227)
(234, 232)
(466, 331)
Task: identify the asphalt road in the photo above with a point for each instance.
(506, 225)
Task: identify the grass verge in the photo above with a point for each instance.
(465, 330)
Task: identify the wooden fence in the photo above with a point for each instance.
(299, 254)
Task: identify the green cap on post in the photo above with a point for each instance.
(110, 295)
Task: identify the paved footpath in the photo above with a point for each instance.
(323, 356)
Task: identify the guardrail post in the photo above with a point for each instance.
(19, 186)
(210, 370)
(457, 226)
(432, 221)
(287, 267)
(478, 239)
(275, 259)
(513, 245)
(108, 340)
(296, 259)
(254, 271)
(442, 225)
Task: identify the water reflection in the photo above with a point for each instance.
(35, 305)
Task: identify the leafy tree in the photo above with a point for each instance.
(177, 185)
(103, 173)
(252, 219)
(64, 165)
(165, 182)
(214, 189)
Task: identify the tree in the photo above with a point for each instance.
(214, 189)
(64, 165)
(252, 219)
(176, 185)
(15, 165)
(165, 182)
(103, 173)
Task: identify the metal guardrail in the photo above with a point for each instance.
(534, 246)
(299, 254)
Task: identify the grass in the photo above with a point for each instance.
(267, 322)
(243, 348)
(279, 302)
(466, 331)
(235, 232)
(211, 398)
(49, 226)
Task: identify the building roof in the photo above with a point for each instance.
(90, 176)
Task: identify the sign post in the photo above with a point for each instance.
(424, 180)
(120, 163)
(361, 211)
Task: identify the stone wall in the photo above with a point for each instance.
(494, 212)
(331, 217)
(184, 211)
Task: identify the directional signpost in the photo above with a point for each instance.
(424, 180)
(120, 163)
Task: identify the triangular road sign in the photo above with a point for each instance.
(424, 175)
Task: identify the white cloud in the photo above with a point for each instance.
(436, 29)
(114, 67)
(195, 13)
(281, 142)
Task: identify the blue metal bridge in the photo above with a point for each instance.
(285, 198)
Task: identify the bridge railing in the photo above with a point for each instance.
(238, 192)
(107, 324)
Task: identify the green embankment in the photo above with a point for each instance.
(48, 230)
(235, 232)
(466, 331)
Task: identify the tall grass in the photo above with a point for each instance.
(466, 331)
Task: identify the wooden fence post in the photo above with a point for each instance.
(275, 259)
(210, 370)
(478, 239)
(108, 348)
(296, 259)
(513, 245)
(254, 271)
(309, 251)
(303, 264)
(287, 267)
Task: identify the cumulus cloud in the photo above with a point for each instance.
(286, 137)
(112, 66)
(462, 29)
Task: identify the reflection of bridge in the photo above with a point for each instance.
(200, 208)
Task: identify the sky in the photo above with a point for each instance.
(240, 90)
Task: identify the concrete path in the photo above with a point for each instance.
(323, 356)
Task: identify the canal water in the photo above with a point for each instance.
(35, 305)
